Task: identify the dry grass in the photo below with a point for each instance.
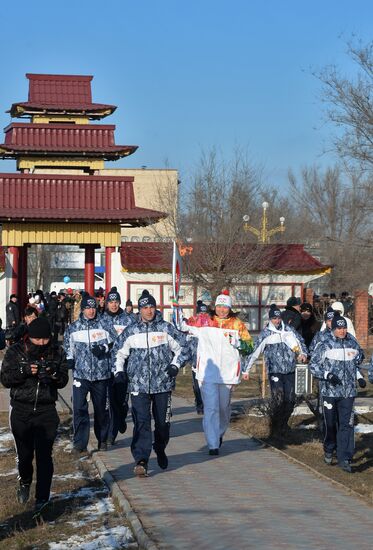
(306, 446)
(72, 480)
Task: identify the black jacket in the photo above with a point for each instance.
(292, 317)
(12, 314)
(29, 391)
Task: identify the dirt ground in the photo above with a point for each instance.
(80, 503)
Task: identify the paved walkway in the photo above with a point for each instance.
(247, 497)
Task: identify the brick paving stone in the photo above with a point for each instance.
(247, 497)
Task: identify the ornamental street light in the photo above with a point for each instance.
(263, 233)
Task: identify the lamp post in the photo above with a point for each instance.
(263, 233)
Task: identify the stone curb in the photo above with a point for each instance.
(145, 543)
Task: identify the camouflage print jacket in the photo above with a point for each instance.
(144, 350)
(339, 356)
(78, 341)
(280, 348)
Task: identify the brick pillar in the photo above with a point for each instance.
(361, 313)
(89, 269)
(308, 295)
(14, 262)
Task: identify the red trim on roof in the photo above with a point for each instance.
(283, 258)
(48, 197)
(60, 92)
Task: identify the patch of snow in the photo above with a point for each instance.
(364, 428)
(11, 473)
(92, 512)
(5, 437)
(76, 475)
(89, 493)
(306, 427)
(101, 539)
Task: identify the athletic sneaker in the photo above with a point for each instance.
(213, 452)
(162, 459)
(328, 458)
(346, 466)
(102, 446)
(23, 492)
(141, 469)
(39, 507)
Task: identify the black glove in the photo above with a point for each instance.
(99, 350)
(362, 382)
(172, 371)
(333, 379)
(25, 369)
(120, 378)
(70, 364)
(44, 376)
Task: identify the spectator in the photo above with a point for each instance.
(309, 324)
(129, 307)
(12, 312)
(338, 308)
(76, 306)
(291, 315)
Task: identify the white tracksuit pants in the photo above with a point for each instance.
(216, 411)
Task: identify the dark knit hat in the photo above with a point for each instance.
(329, 314)
(113, 295)
(146, 299)
(274, 312)
(39, 328)
(293, 301)
(88, 302)
(129, 303)
(339, 322)
(201, 307)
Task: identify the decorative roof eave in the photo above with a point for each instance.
(116, 152)
(93, 111)
(136, 217)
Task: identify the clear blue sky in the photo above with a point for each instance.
(188, 76)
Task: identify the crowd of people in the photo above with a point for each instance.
(115, 354)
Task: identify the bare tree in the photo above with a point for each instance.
(349, 105)
(331, 207)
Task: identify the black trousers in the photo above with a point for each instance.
(34, 433)
(339, 426)
(118, 398)
(283, 391)
(98, 390)
(197, 393)
(143, 406)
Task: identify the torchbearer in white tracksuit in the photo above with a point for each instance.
(220, 337)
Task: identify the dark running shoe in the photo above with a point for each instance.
(23, 492)
(102, 446)
(345, 465)
(39, 507)
(141, 469)
(213, 452)
(162, 459)
(199, 410)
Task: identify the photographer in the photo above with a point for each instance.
(33, 369)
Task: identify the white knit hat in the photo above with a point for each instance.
(224, 299)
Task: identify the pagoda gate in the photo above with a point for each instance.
(57, 196)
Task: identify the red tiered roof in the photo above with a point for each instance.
(77, 139)
(60, 93)
(282, 258)
(53, 198)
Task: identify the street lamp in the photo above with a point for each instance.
(263, 233)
